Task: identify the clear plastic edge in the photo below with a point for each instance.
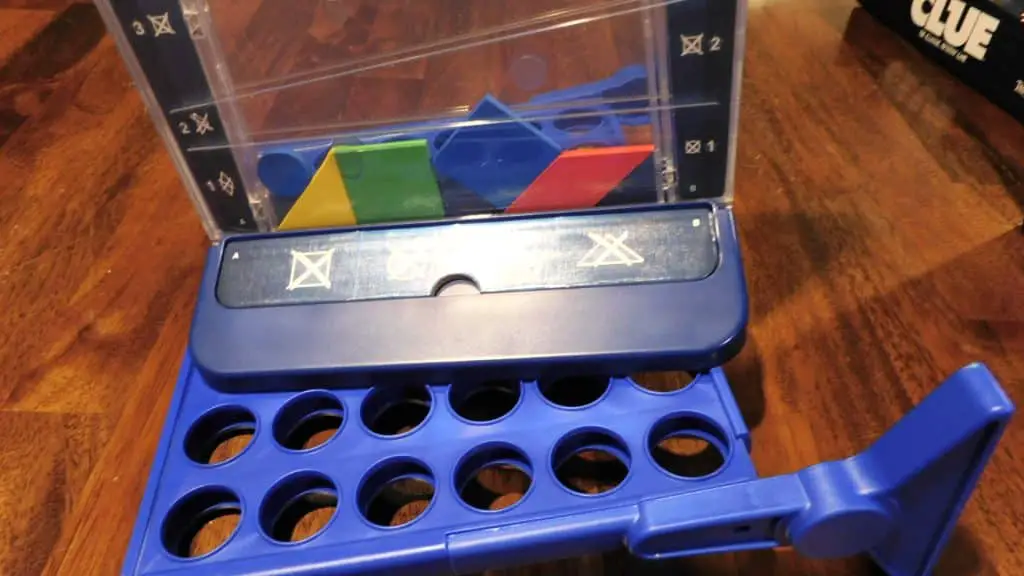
(242, 151)
(659, 89)
(739, 57)
(160, 122)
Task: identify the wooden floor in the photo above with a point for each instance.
(878, 201)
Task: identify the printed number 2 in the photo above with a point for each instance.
(183, 126)
(716, 44)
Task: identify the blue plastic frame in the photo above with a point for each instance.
(897, 501)
(692, 325)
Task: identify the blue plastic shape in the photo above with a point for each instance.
(640, 187)
(626, 92)
(897, 501)
(460, 201)
(583, 126)
(497, 158)
(687, 325)
(287, 170)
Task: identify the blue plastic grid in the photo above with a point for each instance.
(898, 500)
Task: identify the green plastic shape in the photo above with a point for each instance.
(390, 182)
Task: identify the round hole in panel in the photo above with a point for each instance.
(393, 410)
(591, 461)
(493, 477)
(308, 420)
(663, 382)
(574, 391)
(298, 507)
(201, 522)
(396, 492)
(485, 401)
(220, 435)
(688, 446)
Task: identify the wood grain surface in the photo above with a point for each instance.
(879, 205)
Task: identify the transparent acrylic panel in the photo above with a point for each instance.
(361, 65)
(288, 114)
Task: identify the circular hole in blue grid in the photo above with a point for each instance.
(396, 492)
(308, 420)
(396, 409)
(201, 523)
(220, 435)
(574, 391)
(298, 507)
(688, 446)
(591, 461)
(484, 401)
(493, 477)
(663, 382)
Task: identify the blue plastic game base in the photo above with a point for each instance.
(897, 501)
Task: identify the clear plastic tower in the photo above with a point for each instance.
(284, 115)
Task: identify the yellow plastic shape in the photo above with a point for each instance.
(324, 203)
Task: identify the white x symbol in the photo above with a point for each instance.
(693, 44)
(227, 185)
(609, 250)
(161, 23)
(202, 122)
(310, 270)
